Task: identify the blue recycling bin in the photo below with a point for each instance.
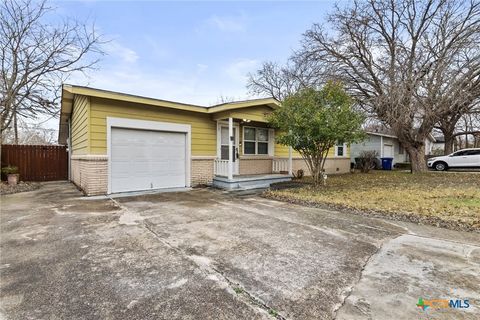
(387, 163)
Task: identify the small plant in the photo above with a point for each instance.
(238, 290)
(12, 174)
(366, 161)
(10, 170)
(273, 312)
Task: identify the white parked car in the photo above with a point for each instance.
(466, 158)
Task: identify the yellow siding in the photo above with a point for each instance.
(203, 128)
(89, 124)
(261, 111)
(256, 113)
(282, 151)
(80, 125)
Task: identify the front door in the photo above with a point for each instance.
(224, 146)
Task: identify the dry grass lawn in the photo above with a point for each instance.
(447, 199)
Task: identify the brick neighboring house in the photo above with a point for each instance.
(120, 142)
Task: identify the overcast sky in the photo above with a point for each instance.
(190, 52)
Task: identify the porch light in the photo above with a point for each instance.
(246, 120)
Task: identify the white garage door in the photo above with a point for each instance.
(388, 150)
(144, 160)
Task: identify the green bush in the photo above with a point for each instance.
(9, 170)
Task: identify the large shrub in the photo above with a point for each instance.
(367, 161)
(313, 121)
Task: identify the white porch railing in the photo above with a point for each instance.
(280, 165)
(221, 167)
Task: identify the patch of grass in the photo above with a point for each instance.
(465, 202)
(452, 198)
(238, 290)
(273, 312)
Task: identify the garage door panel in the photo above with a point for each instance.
(143, 160)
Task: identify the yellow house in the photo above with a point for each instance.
(120, 142)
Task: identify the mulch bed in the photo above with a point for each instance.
(289, 185)
(5, 188)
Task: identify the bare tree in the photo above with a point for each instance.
(468, 128)
(37, 56)
(29, 134)
(225, 99)
(278, 82)
(465, 121)
(408, 62)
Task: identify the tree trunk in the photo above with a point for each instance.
(317, 174)
(449, 140)
(315, 166)
(417, 159)
(15, 128)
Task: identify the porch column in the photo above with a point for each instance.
(381, 146)
(230, 148)
(290, 162)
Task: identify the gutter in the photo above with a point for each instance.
(69, 146)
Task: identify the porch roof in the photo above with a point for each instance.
(251, 111)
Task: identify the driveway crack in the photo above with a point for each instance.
(346, 293)
(214, 273)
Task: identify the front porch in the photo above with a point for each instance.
(281, 170)
(247, 155)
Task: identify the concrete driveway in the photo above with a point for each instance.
(205, 254)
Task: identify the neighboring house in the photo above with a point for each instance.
(438, 147)
(386, 145)
(120, 142)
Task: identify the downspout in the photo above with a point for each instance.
(69, 145)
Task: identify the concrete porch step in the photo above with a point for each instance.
(247, 182)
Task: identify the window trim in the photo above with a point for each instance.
(344, 146)
(256, 141)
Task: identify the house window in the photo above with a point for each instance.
(400, 149)
(340, 150)
(255, 140)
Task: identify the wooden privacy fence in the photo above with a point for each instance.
(37, 163)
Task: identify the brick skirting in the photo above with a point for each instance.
(264, 165)
(90, 173)
(202, 171)
(332, 165)
(255, 166)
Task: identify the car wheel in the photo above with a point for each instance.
(440, 166)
